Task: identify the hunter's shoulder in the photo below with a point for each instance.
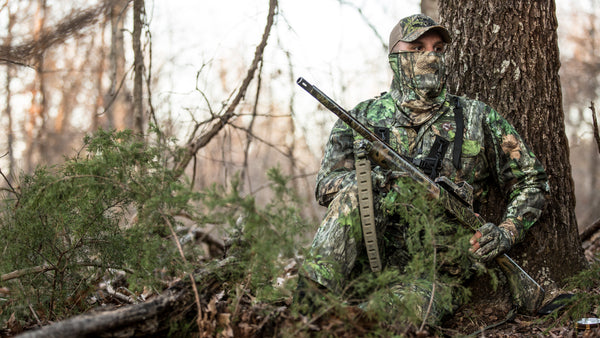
(380, 105)
(469, 104)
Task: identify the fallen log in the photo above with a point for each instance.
(590, 231)
(144, 319)
(147, 318)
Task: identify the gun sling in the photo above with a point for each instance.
(367, 212)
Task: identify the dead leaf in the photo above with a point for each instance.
(13, 325)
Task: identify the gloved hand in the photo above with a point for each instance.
(490, 241)
(383, 178)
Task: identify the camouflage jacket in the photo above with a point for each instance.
(492, 153)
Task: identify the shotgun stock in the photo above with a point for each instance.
(527, 294)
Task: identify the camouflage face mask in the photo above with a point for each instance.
(423, 72)
(419, 83)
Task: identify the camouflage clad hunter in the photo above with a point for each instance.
(416, 110)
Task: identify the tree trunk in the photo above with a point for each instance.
(505, 53)
(8, 108)
(98, 107)
(431, 8)
(37, 111)
(138, 65)
(116, 103)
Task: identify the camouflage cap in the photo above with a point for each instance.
(412, 27)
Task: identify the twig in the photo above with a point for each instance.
(266, 185)
(250, 126)
(239, 295)
(367, 21)
(70, 25)
(26, 271)
(13, 62)
(113, 96)
(590, 230)
(251, 135)
(194, 287)
(8, 182)
(44, 268)
(432, 290)
(595, 126)
(37, 319)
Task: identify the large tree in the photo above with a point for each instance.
(431, 8)
(505, 53)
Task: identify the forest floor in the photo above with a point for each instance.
(246, 317)
(473, 320)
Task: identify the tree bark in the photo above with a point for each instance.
(99, 71)
(505, 53)
(147, 318)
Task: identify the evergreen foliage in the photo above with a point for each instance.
(262, 240)
(438, 263)
(425, 288)
(68, 226)
(71, 226)
(586, 297)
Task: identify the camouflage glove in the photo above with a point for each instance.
(494, 241)
(383, 178)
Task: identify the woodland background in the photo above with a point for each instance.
(78, 77)
(205, 76)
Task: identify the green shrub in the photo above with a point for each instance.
(397, 299)
(67, 226)
(262, 238)
(586, 286)
(438, 262)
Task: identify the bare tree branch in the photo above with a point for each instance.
(367, 21)
(595, 126)
(590, 230)
(26, 271)
(194, 145)
(70, 25)
(12, 189)
(256, 137)
(45, 268)
(147, 319)
(93, 324)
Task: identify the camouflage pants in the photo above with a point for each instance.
(338, 253)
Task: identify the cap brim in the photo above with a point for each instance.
(418, 32)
